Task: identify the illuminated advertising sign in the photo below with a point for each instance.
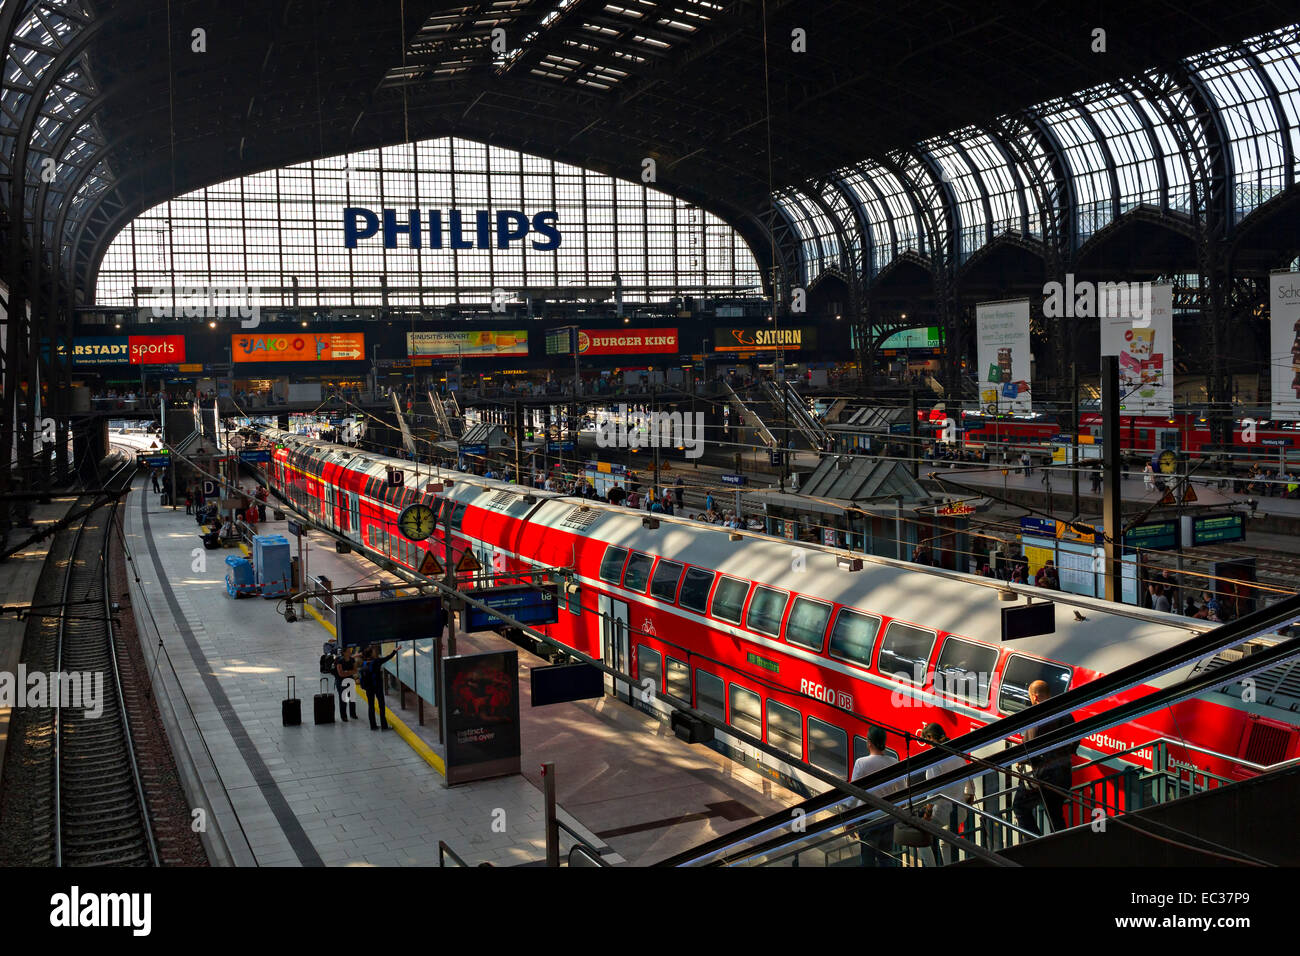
(457, 229)
(1002, 343)
(482, 699)
(299, 347)
(129, 350)
(757, 340)
(627, 341)
(469, 344)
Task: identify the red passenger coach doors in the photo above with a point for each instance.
(614, 644)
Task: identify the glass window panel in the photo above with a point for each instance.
(905, 651)
(828, 747)
(766, 609)
(965, 670)
(1020, 672)
(638, 572)
(729, 598)
(785, 728)
(611, 565)
(649, 665)
(746, 711)
(695, 589)
(807, 624)
(664, 584)
(678, 680)
(708, 694)
(854, 636)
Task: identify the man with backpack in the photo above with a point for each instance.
(1050, 773)
(372, 682)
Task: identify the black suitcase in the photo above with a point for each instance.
(322, 705)
(291, 706)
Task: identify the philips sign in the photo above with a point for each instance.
(461, 230)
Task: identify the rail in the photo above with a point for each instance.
(746, 412)
(445, 852)
(586, 853)
(1200, 646)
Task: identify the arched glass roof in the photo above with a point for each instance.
(1114, 142)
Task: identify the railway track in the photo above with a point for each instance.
(95, 812)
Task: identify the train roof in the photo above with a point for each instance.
(1109, 637)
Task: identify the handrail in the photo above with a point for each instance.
(1262, 621)
(591, 850)
(764, 432)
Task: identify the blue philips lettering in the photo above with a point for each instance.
(510, 226)
(391, 228)
(505, 231)
(352, 216)
(543, 223)
(457, 240)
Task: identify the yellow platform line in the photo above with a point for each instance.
(403, 731)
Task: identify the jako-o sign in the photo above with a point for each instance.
(462, 231)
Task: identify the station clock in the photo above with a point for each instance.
(416, 522)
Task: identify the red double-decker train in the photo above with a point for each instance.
(1268, 444)
(779, 639)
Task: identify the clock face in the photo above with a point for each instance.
(416, 522)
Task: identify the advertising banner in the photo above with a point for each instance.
(1284, 350)
(1002, 337)
(1146, 354)
(920, 338)
(627, 341)
(482, 698)
(299, 347)
(765, 339)
(129, 350)
(470, 343)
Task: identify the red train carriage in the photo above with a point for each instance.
(775, 639)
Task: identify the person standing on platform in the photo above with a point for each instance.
(679, 488)
(153, 475)
(372, 682)
(1050, 773)
(878, 840)
(345, 667)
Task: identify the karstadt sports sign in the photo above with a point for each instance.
(129, 350)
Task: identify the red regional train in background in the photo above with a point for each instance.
(1273, 443)
(777, 639)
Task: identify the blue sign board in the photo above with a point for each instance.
(526, 603)
(1041, 526)
(559, 446)
(900, 428)
(157, 461)
(255, 457)
(1276, 442)
(473, 449)
(733, 479)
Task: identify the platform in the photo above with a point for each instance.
(340, 794)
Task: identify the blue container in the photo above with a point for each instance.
(271, 562)
(239, 578)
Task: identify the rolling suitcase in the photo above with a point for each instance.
(322, 705)
(291, 706)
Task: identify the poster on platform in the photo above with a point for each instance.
(1145, 346)
(482, 700)
(1002, 341)
(1284, 351)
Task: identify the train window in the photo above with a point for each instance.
(807, 624)
(611, 565)
(905, 651)
(649, 665)
(746, 711)
(828, 746)
(965, 670)
(708, 695)
(766, 610)
(638, 572)
(664, 583)
(1020, 672)
(854, 636)
(678, 680)
(729, 598)
(695, 589)
(860, 749)
(785, 729)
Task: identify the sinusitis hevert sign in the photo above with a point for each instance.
(454, 230)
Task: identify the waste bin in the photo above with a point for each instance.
(239, 578)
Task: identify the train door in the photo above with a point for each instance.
(354, 515)
(614, 644)
(328, 516)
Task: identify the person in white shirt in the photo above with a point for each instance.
(943, 809)
(878, 841)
